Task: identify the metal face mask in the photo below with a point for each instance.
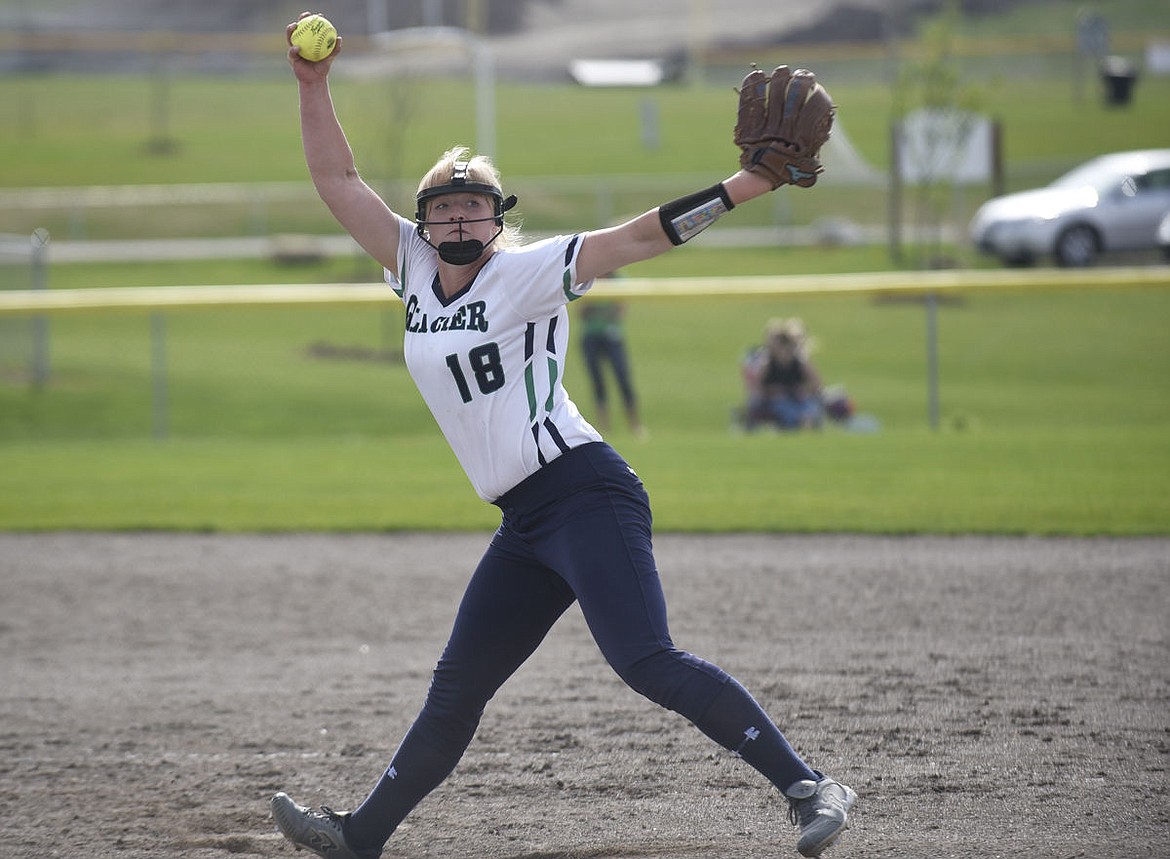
(464, 251)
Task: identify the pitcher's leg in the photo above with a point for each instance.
(602, 547)
(508, 608)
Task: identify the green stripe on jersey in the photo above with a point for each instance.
(530, 386)
(553, 369)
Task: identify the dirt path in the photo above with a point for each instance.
(986, 697)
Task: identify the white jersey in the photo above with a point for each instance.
(490, 360)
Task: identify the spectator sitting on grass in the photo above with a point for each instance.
(784, 389)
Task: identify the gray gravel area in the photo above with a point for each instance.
(985, 696)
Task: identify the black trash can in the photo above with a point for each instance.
(1118, 75)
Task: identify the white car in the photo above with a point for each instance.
(1111, 203)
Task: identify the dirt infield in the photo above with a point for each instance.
(986, 697)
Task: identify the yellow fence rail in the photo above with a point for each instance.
(153, 298)
(930, 285)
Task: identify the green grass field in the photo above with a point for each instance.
(1054, 406)
(1054, 420)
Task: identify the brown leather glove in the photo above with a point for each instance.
(784, 120)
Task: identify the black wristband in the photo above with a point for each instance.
(686, 217)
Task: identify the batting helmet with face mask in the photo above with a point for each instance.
(465, 251)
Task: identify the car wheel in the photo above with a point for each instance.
(1078, 246)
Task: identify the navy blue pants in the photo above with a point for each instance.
(578, 530)
(598, 349)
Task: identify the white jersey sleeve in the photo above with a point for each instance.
(490, 360)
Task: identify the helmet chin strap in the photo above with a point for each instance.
(464, 251)
(460, 253)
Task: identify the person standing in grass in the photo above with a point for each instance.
(486, 340)
(603, 343)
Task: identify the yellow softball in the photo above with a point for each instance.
(315, 36)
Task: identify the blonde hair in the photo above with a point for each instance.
(794, 331)
(479, 169)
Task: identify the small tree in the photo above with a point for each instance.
(933, 82)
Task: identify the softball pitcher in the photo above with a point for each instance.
(486, 341)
